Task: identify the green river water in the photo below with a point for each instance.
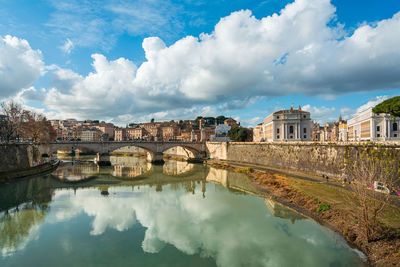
(137, 214)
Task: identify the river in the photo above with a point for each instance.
(136, 214)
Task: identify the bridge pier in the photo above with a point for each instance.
(103, 159)
(156, 158)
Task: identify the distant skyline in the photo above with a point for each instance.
(129, 61)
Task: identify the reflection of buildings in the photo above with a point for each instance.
(282, 212)
(130, 172)
(76, 171)
(129, 167)
(174, 167)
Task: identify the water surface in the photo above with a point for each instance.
(137, 214)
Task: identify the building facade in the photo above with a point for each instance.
(285, 125)
(367, 125)
(342, 130)
(93, 135)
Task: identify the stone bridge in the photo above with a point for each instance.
(103, 149)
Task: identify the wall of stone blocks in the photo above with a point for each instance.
(311, 157)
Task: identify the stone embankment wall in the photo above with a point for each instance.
(17, 156)
(310, 157)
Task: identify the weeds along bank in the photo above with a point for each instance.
(309, 157)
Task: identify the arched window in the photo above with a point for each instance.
(291, 129)
(395, 127)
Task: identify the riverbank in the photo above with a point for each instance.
(36, 170)
(307, 195)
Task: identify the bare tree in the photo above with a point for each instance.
(365, 167)
(13, 113)
(26, 124)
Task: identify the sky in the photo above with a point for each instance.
(129, 61)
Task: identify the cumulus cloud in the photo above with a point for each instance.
(372, 103)
(20, 65)
(348, 113)
(321, 114)
(295, 51)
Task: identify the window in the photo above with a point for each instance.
(277, 130)
(305, 136)
(378, 135)
(378, 128)
(277, 137)
(291, 129)
(395, 126)
(305, 130)
(395, 135)
(304, 116)
(277, 117)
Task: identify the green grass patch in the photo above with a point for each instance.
(323, 207)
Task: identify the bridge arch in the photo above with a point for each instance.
(155, 149)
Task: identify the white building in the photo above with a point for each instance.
(367, 125)
(285, 125)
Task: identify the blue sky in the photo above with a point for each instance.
(126, 61)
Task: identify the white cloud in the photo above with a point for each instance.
(20, 65)
(372, 103)
(252, 122)
(291, 52)
(348, 113)
(321, 114)
(67, 46)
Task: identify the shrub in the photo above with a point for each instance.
(323, 207)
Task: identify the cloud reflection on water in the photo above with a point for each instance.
(234, 229)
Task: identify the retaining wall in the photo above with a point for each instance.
(17, 156)
(311, 157)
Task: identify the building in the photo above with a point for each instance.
(134, 133)
(327, 134)
(170, 132)
(119, 134)
(285, 125)
(92, 135)
(257, 133)
(342, 130)
(231, 122)
(316, 131)
(221, 132)
(106, 128)
(367, 125)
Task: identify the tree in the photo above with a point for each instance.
(220, 119)
(152, 120)
(390, 106)
(26, 124)
(239, 134)
(13, 113)
(365, 167)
